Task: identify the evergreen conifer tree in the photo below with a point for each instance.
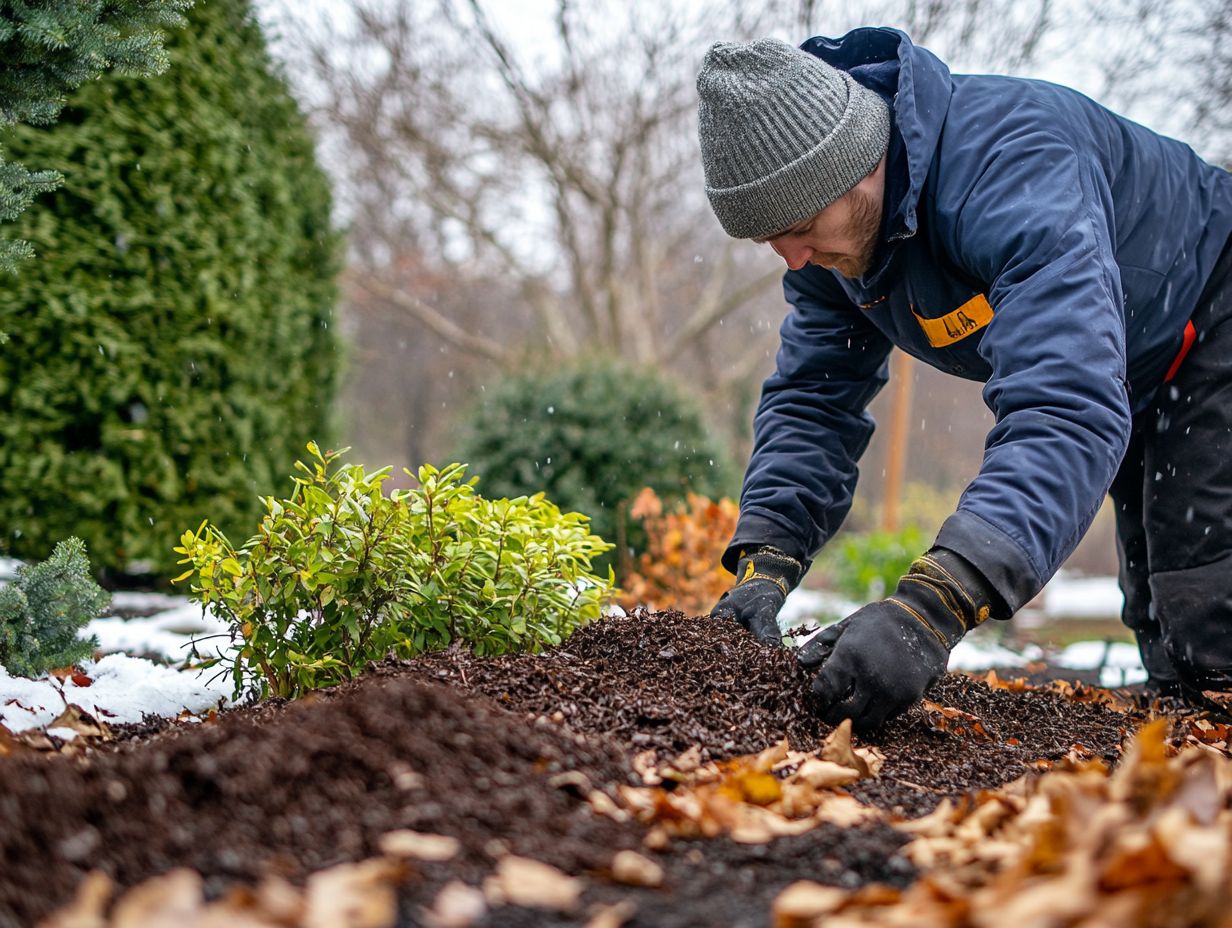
(51, 47)
(171, 349)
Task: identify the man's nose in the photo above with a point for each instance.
(795, 253)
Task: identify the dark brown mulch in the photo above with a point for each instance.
(667, 682)
(658, 680)
(295, 788)
(292, 788)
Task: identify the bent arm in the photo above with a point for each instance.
(812, 424)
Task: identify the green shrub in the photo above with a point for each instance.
(43, 609)
(591, 438)
(171, 347)
(50, 48)
(867, 565)
(340, 574)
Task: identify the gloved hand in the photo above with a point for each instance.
(880, 659)
(764, 577)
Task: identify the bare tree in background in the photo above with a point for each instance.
(1168, 63)
(572, 175)
(511, 202)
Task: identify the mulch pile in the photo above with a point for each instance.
(473, 748)
(667, 682)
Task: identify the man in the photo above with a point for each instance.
(1008, 231)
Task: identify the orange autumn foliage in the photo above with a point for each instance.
(680, 568)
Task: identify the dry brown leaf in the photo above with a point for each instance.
(352, 896)
(456, 906)
(1016, 684)
(88, 905)
(603, 804)
(954, 721)
(644, 766)
(12, 745)
(530, 883)
(634, 869)
(798, 905)
(612, 916)
(80, 721)
(825, 774)
(167, 901)
(837, 749)
(420, 846)
(684, 764)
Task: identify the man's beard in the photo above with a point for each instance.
(863, 225)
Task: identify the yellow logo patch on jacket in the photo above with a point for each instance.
(972, 316)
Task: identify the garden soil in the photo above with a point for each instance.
(502, 754)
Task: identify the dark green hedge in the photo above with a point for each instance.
(592, 437)
(171, 349)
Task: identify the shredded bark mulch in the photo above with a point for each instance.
(474, 748)
(667, 682)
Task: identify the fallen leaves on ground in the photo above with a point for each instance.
(358, 895)
(954, 721)
(532, 884)
(1148, 844)
(43, 740)
(755, 798)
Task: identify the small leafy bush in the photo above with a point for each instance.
(680, 568)
(591, 437)
(340, 574)
(867, 566)
(43, 609)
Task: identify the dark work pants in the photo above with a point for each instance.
(1173, 500)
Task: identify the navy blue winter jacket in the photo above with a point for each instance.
(1033, 240)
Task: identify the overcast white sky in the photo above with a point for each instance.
(1071, 59)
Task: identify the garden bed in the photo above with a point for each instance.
(513, 756)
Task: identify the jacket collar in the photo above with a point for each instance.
(917, 86)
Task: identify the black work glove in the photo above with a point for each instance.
(764, 577)
(880, 659)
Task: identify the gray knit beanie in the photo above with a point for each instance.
(783, 134)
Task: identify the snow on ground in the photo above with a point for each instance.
(817, 607)
(120, 689)
(178, 632)
(8, 568)
(1068, 596)
(979, 655)
(1118, 662)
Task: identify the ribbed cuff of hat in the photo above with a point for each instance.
(783, 135)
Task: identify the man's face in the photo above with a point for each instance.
(843, 236)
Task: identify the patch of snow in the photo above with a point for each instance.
(170, 634)
(1069, 596)
(819, 606)
(123, 689)
(970, 655)
(8, 568)
(1113, 677)
(147, 602)
(1088, 655)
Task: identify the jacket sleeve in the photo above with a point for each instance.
(1034, 218)
(812, 423)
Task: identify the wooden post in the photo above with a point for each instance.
(902, 377)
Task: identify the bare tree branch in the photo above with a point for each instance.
(433, 319)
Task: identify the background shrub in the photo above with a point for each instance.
(339, 574)
(43, 609)
(591, 438)
(868, 565)
(48, 49)
(170, 347)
